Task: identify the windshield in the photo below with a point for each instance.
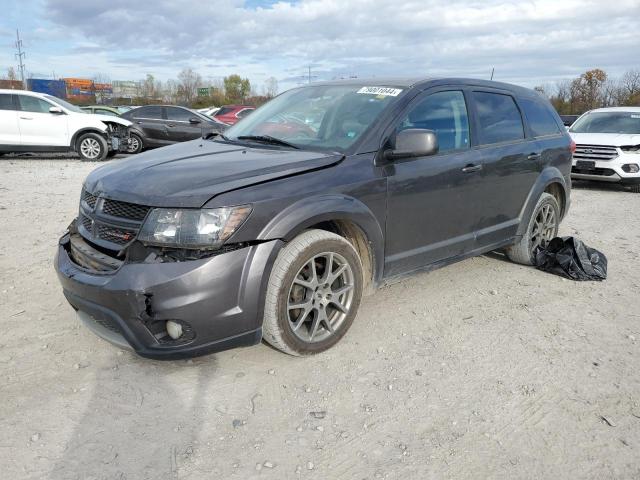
(331, 117)
(608, 122)
(64, 104)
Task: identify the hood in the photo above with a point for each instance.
(613, 139)
(189, 174)
(110, 118)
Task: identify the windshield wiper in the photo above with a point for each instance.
(268, 139)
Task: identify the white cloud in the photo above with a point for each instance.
(527, 42)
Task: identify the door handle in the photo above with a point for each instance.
(139, 122)
(170, 125)
(26, 118)
(533, 156)
(472, 168)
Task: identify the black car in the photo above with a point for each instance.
(159, 125)
(568, 120)
(277, 228)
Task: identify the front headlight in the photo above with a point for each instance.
(186, 228)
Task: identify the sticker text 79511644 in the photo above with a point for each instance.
(384, 91)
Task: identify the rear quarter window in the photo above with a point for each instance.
(541, 120)
(498, 118)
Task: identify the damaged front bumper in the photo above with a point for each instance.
(218, 301)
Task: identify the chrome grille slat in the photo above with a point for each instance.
(595, 152)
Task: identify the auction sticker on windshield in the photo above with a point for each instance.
(385, 91)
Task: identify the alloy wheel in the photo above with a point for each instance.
(90, 148)
(134, 144)
(544, 227)
(320, 297)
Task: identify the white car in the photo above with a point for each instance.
(209, 112)
(37, 122)
(608, 146)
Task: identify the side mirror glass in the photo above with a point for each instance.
(413, 142)
(194, 120)
(56, 110)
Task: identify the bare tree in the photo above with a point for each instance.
(189, 81)
(11, 74)
(271, 87)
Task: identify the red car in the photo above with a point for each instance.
(231, 114)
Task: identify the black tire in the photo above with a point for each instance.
(312, 249)
(136, 145)
(635, 188)
(522, 252)
(92, 147)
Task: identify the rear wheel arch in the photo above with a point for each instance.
(549, 181)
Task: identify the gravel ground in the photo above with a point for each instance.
(483, 369)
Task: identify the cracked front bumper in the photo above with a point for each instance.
(219, 300)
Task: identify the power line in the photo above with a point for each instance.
(20, 55)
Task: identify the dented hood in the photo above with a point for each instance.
(189, 174)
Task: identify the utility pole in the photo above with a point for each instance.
(20, 55)
(492, 70)
(309, 73)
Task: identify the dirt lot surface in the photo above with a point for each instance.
(483, 369)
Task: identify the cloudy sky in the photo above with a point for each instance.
(528, 42)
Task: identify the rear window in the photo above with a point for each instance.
(6, 102)
(540, 119)
(224, 111)
(499, 118)
(147, 112)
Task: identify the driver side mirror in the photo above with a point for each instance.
(56, 110)
(413, 142)
(194, 120)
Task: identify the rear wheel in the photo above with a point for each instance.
(543, 226)
(314, 293)
(92, 147)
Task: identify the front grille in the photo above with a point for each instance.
(89, 199)
(603, 172)
(86, 223)
(595, 152)
(130, 211)
(119, 236)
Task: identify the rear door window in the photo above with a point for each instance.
(541, 121)
(179, 114)
(6, 102)
(446, 114)
(498, 117)
(33, 104)
(148, 112)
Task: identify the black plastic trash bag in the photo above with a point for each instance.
(571, 258)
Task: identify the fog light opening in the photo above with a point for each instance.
(174, 329)
(631, 168)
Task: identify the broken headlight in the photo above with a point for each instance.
(187, 228)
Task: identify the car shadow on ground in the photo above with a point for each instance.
(599, 186)
(147, 424)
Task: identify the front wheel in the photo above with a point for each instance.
(543, 226)
(135, 143)
(92, 147)
(313, 294)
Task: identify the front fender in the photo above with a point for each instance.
(548, 176)
(310, 211)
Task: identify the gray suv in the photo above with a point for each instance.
(275, 229)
